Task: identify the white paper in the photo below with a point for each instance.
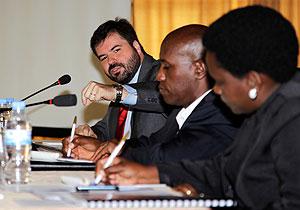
(45, 156)
(73, 160)
(54, 157)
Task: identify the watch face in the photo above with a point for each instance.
(119, 92)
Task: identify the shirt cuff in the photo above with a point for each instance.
(131, 98)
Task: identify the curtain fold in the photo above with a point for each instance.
(154, 19)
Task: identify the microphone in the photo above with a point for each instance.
(62, 100)
(65, 79)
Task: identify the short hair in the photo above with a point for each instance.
(254, 38)
(120, 26)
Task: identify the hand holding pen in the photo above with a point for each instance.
(110, 159)
(72, 135)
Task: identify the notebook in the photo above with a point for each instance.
(44, 160)
(146, 197)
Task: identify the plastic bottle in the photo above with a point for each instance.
(17, 139)
(5, 106)
(3, 120)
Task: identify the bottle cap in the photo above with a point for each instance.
(17, 105)
(2, 101)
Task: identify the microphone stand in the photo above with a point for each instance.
(28, 105)
(55, 83)
(38, 103)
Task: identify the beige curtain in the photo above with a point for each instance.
(153, 19)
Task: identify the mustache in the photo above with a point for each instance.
(115, 65)
(161, 86)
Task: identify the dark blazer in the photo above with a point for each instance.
(207, 131)
(141, 120)
(261, 170)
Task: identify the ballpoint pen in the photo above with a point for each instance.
(110, 159)
(72, 134)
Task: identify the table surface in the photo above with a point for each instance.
(44, 192)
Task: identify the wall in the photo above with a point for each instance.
(41, 40)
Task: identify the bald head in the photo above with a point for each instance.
(186, 38)
(183, 76)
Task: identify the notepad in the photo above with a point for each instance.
(45, 156)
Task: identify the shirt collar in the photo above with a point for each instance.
(136, 76)
(184, 113)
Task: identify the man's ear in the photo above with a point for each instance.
(137, 47)
(200, 69)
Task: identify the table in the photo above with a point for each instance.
(48, 184)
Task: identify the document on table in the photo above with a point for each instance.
(48, 146)
(44, 156)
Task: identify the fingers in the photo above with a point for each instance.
(104, 150)
(65, 143)
(97, 156)
(89, 143)
(68, 145)
(117, 179)
(187, 190)
(100, 163)
(81, 153)
(88, 95)
(96, 92)
(99, 166)
(85, 130)
(121, 171)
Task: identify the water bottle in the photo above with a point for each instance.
(4, 115)
(5, 107)
(17, 140)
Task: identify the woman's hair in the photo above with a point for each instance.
(254, 38)
(120, 26)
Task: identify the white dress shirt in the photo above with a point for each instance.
(127, 126)
(184, 113)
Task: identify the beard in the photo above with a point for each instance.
(130, 68)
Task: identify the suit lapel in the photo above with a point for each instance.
(205, 103)
(171, 127)
(146, 74)
(148, 66)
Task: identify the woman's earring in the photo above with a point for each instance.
(252, 93)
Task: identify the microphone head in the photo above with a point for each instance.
(65, 79)
(65, 100)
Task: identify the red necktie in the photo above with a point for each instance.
(121, 122)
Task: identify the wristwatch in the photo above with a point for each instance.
(119, 92)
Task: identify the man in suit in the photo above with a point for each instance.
(203, 126)
(124, 61)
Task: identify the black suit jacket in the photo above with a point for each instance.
(261, 170)
(141, 120)
(206, 132)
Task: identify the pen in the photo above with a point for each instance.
(72, 134)
(110, 159)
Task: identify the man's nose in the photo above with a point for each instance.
(160, 76)
(111, 59)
